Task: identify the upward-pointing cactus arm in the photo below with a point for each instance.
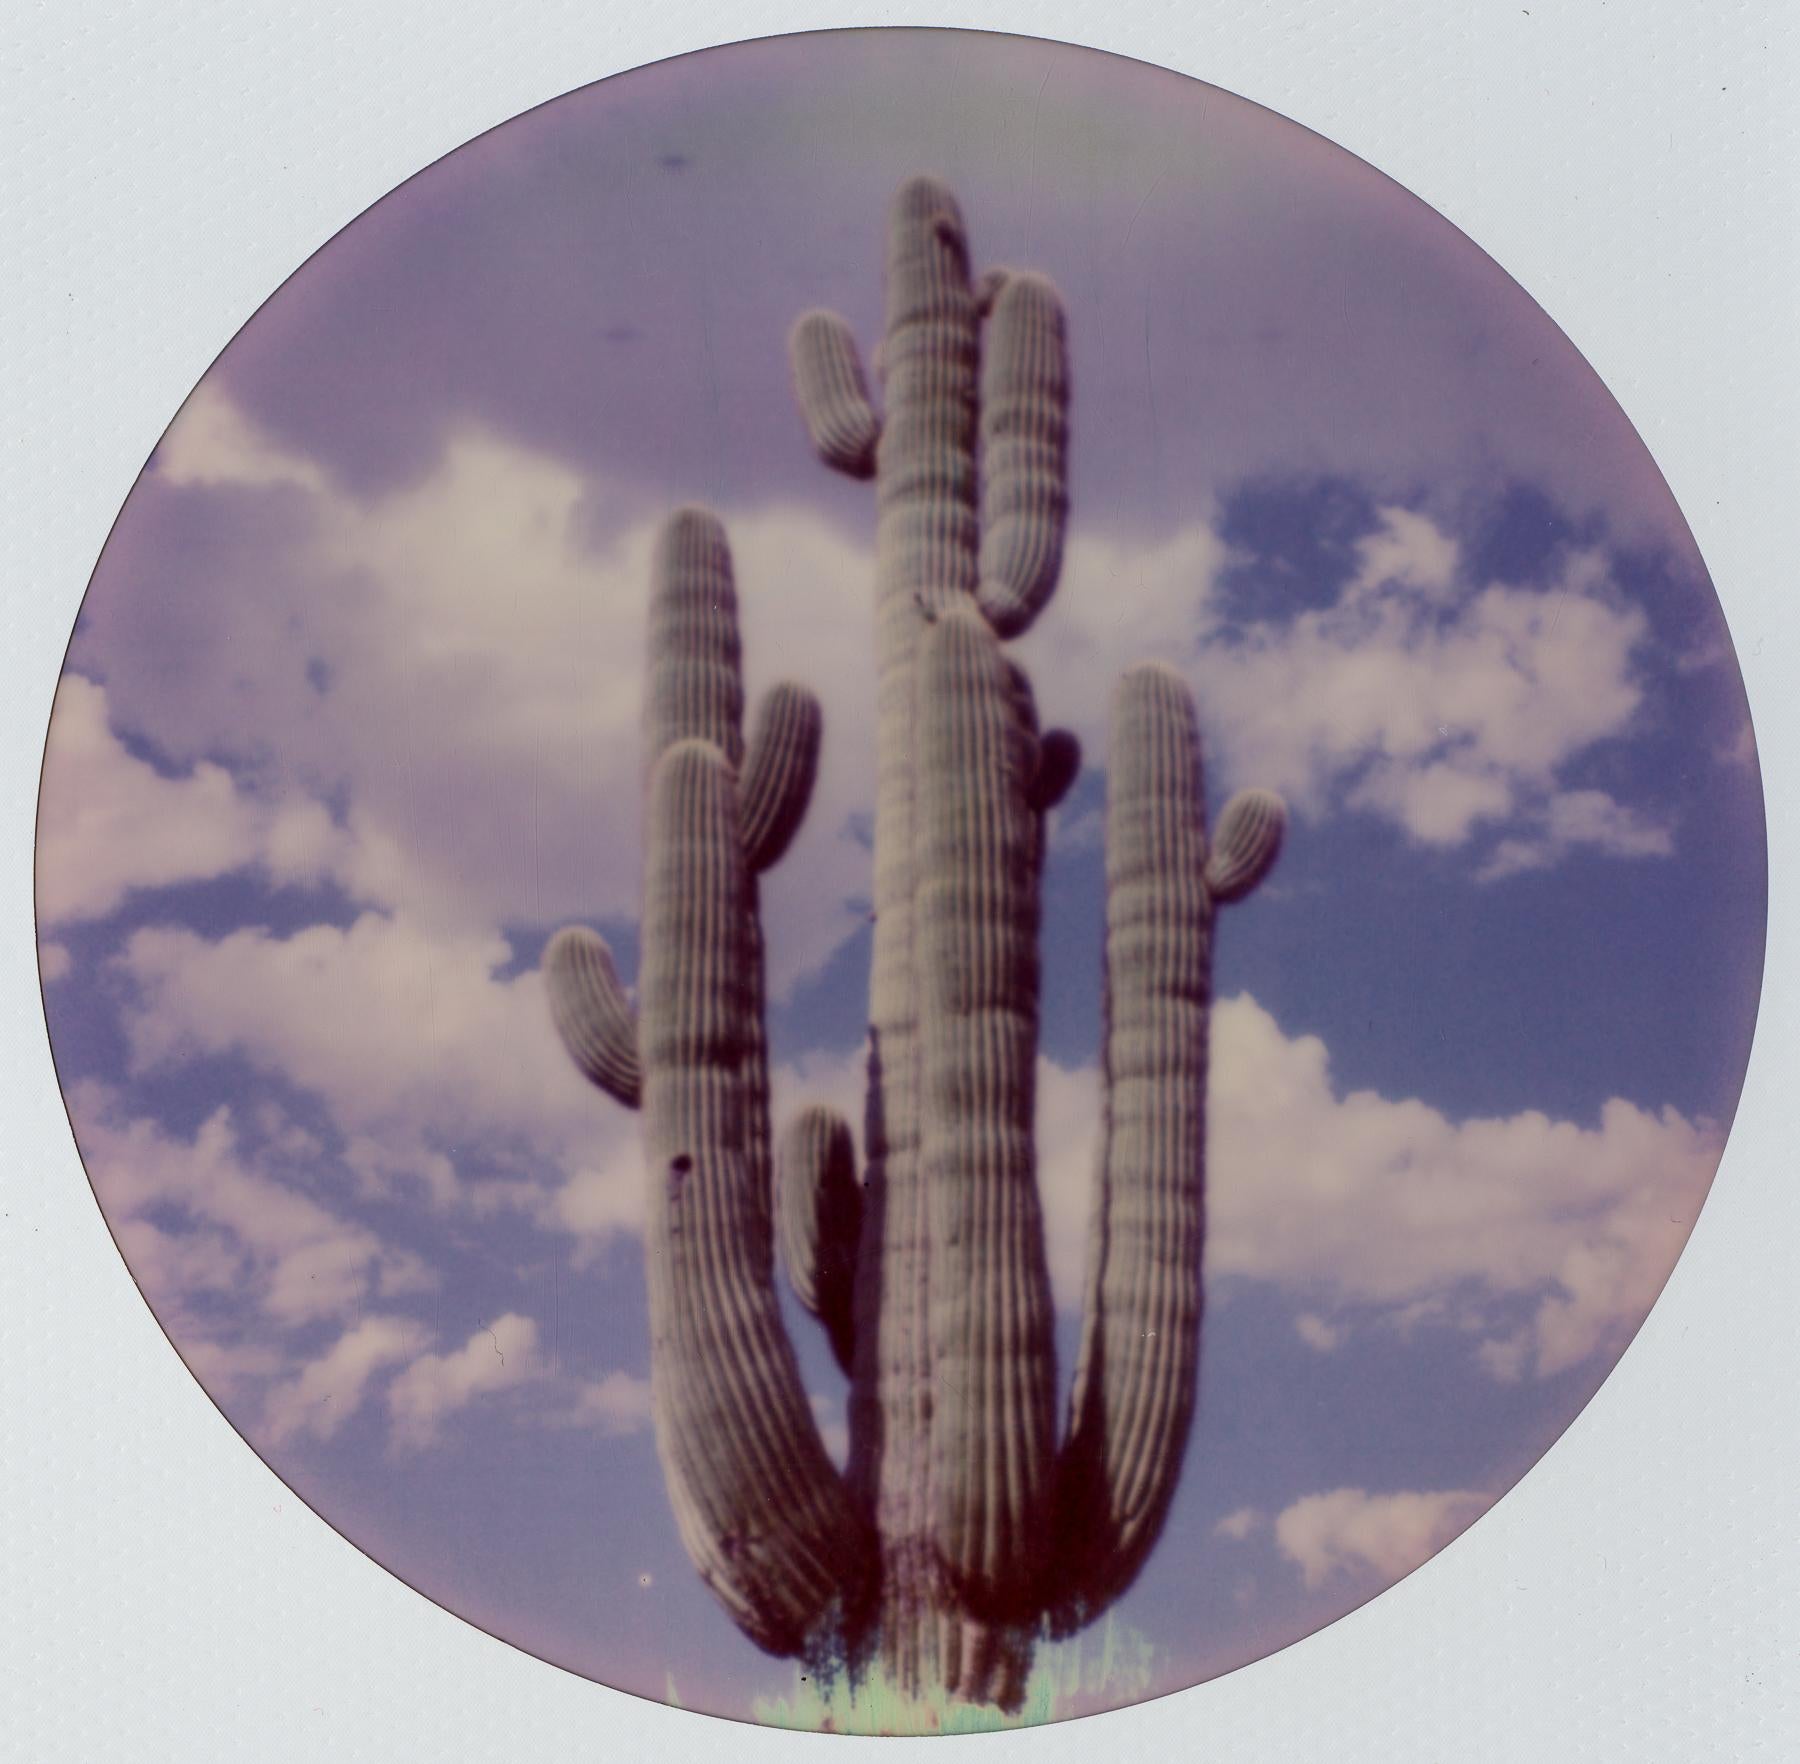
(761, 1508)
(592, 1015)
(1245, 844)
(832, 393)
(780, 765)
(1132, 1405)
(818, 1211)
(1024, 452)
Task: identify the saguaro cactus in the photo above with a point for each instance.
(962, 1530)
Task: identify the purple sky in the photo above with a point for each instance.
(349, 728)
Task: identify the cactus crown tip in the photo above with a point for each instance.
(568, 939)
(694, 517)
(1152, 677)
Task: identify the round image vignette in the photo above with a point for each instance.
(811, 608)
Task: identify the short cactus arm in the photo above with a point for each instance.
(1132, 1405)
(992, 1352)
(592, 1014)
(1024, 452)
(759, 1504)
(818, 1212)
(780, 764)
(1245, 844)
(832, 393)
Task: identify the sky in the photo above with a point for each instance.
(349, 727)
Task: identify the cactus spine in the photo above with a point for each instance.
(961, 1530)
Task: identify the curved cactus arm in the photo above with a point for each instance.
(832, 393)
(694, 687)
(1245, 844)
(1132, 1403)
(1024, 453)
(992, 1352)
(818, 1210)
(780, 764)
(591, 1012)
(760, 1507)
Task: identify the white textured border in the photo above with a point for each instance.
(164, 167)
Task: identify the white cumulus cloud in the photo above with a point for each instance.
(112, 823)
(1349, 1531)
(446, 1078)
(328, 1390)
(498, 1356)
(203, 1214)
(619, 1403)
(1444, 708)
(1386, 1203)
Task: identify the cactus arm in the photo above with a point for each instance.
(780, 764)
(759, 1506)
(832, 393)
(993, 1356)
(1024, 453)
(1245, 844)
(592, 1015)
(1132, 1403)
(819, 1218)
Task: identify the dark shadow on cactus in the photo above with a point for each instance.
(864, 1407)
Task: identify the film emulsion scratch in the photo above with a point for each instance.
(657, 1023)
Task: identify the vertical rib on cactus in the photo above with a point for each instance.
(759, 1504)
(993, 1357)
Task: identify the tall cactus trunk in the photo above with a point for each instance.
(925, 562)
(960, 1532)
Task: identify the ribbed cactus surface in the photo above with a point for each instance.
(962, 1528)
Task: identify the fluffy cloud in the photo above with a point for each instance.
(329, 1390)
(1444, 708)
(498, 1356)
(445, 1078)
(484, 743)
(1574, 818)
(1319, 1335)
(112, 822)
(1363, 1201)
(1348, 1531)
(204, 1215)
(619, 1403)
(458, 664)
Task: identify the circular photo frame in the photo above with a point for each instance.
(900, 881)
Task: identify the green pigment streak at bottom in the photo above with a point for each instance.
(1069, 1679)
